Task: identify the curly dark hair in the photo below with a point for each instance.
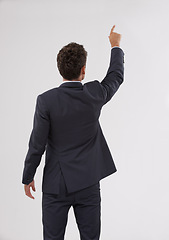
(70, 59)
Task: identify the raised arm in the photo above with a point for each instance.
(115, 73)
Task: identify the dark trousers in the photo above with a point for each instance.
(86, 205)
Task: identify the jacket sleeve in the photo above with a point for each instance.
(37, 141)
(115, 75)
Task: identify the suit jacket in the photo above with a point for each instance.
(66, 127)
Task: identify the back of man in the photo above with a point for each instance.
(66, 125)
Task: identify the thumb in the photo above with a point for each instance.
(33, 188)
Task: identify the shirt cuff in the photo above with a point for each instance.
(116, 47)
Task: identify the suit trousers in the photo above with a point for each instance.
(86, 205)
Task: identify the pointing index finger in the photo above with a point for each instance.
(112, 28)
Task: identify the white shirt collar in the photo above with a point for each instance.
(70, 81)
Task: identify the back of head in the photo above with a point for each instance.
(70, 59)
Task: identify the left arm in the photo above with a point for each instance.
(37, 143)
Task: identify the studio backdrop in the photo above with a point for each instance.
(135, 122)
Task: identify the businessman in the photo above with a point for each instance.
(66, 127)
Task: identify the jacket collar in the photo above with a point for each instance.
(75, 84)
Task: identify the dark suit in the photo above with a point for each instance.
(66, 125)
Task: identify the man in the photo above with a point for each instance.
(66, 125)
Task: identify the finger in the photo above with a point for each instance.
(113, 28)
(28, 193)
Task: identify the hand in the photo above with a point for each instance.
(27, 189)
(114, 38)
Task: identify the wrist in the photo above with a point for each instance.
(117, 45)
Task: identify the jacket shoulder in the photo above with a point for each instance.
(48, 92)
(94, 89)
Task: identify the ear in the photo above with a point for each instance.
(83, 69)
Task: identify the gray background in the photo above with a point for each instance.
(135, 122)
